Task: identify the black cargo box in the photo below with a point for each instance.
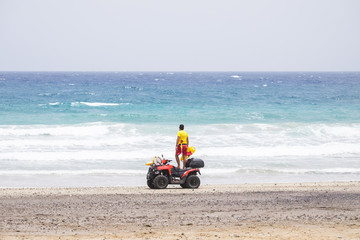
(195, 163)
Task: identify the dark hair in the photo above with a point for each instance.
(181, 126)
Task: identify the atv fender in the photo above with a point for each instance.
(191, 171)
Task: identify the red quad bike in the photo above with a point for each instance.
(161, 173)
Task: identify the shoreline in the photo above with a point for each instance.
(175, 189)
(325, 210)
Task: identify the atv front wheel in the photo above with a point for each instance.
(161, 182)
(150, 184)
(192, 181)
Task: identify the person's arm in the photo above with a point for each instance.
(187, 140)
(177, 141)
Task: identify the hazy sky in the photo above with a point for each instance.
(186, 35)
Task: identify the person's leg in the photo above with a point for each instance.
(177, 160)
(184, 155)
(177, 152)
(184, 162)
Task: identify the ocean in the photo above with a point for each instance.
(84, 129)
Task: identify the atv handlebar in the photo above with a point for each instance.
(165, 161)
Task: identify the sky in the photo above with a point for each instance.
(186, 35)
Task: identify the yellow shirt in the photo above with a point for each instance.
(182, 137)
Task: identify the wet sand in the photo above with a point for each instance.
(246, 211)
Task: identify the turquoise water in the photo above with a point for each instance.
(195, 98)
(98, 129)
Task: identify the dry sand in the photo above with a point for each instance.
(247, 211)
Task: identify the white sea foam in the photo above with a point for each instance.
(302, 171)
(53, 155)
(236, 77)
(235, 149)
(243, 171)
(94, 129)
(94, 104)
(73, 172)
(54, 104)
(248, 140)
(99, 104)
(284, 150)
(45, 94)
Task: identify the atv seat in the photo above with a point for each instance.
(178, 172)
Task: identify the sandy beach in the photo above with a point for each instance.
(247, 211)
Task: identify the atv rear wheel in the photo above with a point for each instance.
(192, 181)
(161, 181)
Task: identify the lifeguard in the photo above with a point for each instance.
(182, 142)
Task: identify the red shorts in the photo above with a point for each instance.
(182, 150)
